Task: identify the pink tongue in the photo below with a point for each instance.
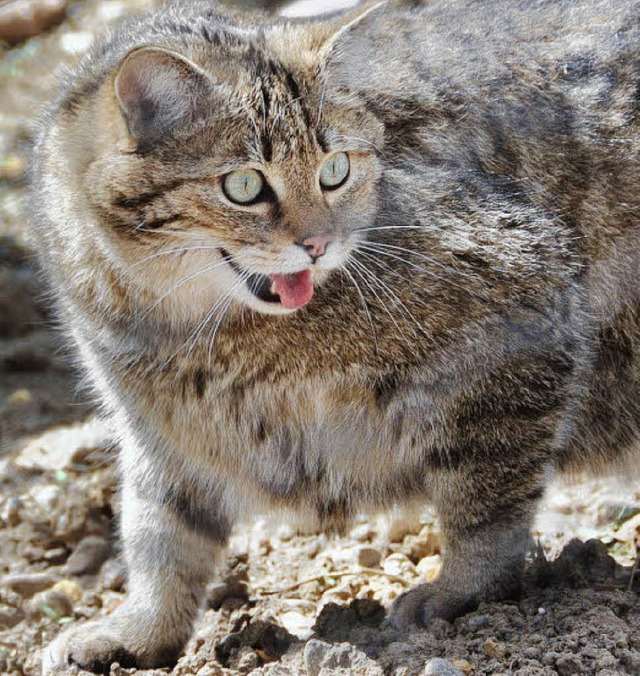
(295, 290)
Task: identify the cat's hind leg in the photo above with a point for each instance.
(486, 500)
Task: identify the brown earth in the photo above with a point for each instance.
(288, 602)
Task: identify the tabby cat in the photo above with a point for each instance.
(335, 265)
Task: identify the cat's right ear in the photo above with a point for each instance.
(158, 90)
(337, 42)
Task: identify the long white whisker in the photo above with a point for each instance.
(168, 252)
(183, 280)
(384, 248)
(182, 234)
(393, 295)
(264, 107)
(393, 227)
(419, 255)
(125, 272)
(373, 257)
(364, 302)
(365, 274)
(192, 340)
(389, 254)
(221, 314)
(389, 270)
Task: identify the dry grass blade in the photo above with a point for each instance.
(360, 571)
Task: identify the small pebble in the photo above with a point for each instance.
(209, 670)
(76, 43)
(113, 575)
(297, 624)
(398, 564)
(109, 10)
(464, 666)
(88, 556)
(19, 397)
(441, 667)
(28, 584)
(494, 649)
(345, 658)
(217, 592)
(247, 660)
(59, 447)
(72, 589)
(429, 567)
(401, 527)
(9, 617)
(477, 621)
(285, 532)
(369, 557)
(426, 543)
(362, 532)
(276, 670)
(23, 19)
(10, 512)
(46, 496)
(56, 556)
(53, 604)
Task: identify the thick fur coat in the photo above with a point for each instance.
(475, 319)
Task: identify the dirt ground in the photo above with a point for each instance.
(286, 602)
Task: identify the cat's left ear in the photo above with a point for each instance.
(158, 90)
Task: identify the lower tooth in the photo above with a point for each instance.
(272, 288)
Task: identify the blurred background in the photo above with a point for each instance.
(58, 490)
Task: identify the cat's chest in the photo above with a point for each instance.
(293, 411)
(308, 432)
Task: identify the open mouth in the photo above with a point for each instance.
(291, 290)
(259, 285)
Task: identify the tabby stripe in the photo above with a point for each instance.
(158, 223)
(207, 522)
(133, 202)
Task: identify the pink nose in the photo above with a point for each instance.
(317, 245)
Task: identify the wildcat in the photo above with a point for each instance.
(333, 265)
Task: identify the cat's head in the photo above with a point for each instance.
(227, 171)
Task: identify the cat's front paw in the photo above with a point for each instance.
(420, 605)
(95, 646)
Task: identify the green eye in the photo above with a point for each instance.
(243, 186)
(334, 171)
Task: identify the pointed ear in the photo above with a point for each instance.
(158, 90)
(334, 46)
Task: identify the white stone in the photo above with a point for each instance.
(77, 42)
(429, 567)
(46, 496)
(297, 624)
(111, 10)
(398, 564)
(56, 449)
(441, 667)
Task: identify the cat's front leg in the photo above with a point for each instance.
(486, 507)
(172, 538)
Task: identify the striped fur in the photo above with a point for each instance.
(475, 323)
